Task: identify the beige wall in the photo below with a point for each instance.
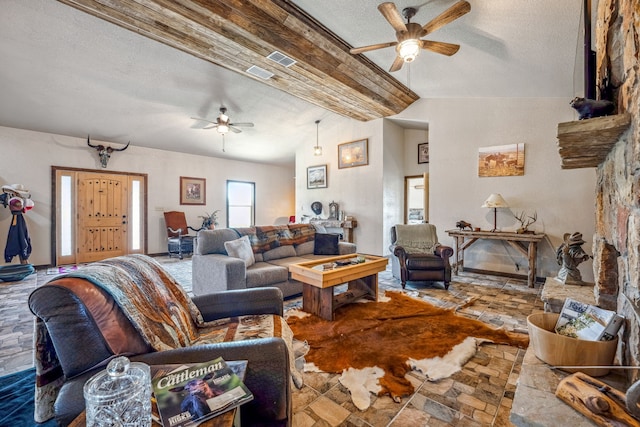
(563, 199)
(27, 158)
(373, 194)
(358, 190)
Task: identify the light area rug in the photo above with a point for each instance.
(373, 345)
(61, 269)
(180, 270)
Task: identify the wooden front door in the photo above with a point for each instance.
(102, 201)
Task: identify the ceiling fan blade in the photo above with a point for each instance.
(454, 12)
(204, 120)
(362, 49)
(440, 47)
(248, 125)
(234, 129)
(391, 14)
(210, 127)
(397, 64)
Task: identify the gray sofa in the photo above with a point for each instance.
(274, 249)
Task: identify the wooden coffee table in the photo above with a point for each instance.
(319, 277)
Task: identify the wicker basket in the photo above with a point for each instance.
(560, 350)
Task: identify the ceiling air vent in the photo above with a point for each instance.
(281, 59)
(260, 72)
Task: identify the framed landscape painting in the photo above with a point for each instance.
(353, 153)
(501, 160)
(193, 191)
(317, 176)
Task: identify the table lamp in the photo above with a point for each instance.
(495, 201)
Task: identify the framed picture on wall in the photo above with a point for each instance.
(423, 153)
(354, 153)
(501, 160)
(317, 176)
(193, 191)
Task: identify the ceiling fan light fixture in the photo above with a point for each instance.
(317, 150)
(222, 128)
(409, 49)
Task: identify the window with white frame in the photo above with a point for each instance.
(240, 203)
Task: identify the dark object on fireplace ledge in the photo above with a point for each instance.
(590, 108)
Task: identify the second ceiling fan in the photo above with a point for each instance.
(223, 123)
(409, 34)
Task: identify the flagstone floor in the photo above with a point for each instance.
(480, 395)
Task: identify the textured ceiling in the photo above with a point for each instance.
(69, 73)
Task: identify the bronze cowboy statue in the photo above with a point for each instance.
(569, 255)
(105, 152)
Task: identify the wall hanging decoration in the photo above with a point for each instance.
(501, 160)
(423, 153)
(353, 153)
(317, 176)
(193, 191)
(104, 152)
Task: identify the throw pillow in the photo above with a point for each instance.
(326, 244)
(241, 248)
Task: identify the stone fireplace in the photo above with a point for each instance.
(616, 246)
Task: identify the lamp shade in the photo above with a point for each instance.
(495, 201)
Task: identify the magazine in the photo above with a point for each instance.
(587, 322)
(185, 395)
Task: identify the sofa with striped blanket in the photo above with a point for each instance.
(263, 259)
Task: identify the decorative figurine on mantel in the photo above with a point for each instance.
(590, 108)
(333, 211)
(569, 255)
(316, 207)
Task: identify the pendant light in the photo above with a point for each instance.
(317, 150)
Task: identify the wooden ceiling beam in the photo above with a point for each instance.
(236, 34)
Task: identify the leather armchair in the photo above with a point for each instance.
(419, 260)
(88, 329)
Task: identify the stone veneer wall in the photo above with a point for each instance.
(616, 244)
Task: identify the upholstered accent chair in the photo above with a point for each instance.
(179, 242)
(417, 254)
(87, 323)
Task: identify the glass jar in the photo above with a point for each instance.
(119, 396)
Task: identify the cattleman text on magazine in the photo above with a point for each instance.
(189, 394)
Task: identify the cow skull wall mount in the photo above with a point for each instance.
(105, 152)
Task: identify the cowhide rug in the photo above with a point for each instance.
(375, 344)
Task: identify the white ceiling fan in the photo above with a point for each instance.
(223, 123)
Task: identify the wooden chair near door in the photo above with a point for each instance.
(179, 241)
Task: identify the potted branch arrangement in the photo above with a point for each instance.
(210, 221)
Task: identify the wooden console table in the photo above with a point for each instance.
(525, 243)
